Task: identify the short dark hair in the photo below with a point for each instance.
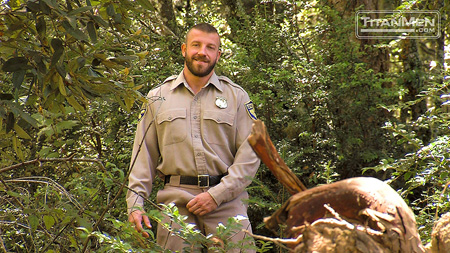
(204, 27)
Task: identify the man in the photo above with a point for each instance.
(196, 142)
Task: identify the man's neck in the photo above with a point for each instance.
(196, 83)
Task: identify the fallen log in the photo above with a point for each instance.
(381, 215)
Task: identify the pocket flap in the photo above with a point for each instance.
(219, 117)
(171, 115)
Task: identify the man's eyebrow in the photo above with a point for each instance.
(209, 44)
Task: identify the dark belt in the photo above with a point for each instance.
(202, 181)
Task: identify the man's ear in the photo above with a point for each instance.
(183, 49)
(218, 55)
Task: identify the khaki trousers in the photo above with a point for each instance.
(180, 195)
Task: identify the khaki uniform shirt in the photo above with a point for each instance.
(192, 135)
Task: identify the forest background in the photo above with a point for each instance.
(74, 74)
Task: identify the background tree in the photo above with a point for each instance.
(74, 74)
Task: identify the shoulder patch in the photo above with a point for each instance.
(251, 110)
(143, 111)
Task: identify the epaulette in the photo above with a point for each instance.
(228, 80)
(170, 78)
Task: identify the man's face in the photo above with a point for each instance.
(201, 52)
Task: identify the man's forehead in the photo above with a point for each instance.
(197, 35)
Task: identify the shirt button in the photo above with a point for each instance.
(199, 154)
(195, 117)
(196, 136)
(218, 120)
(170, 118)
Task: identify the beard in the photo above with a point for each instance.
(198, 70)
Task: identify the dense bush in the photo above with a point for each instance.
(73, 78)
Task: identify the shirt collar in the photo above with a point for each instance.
(214, 80)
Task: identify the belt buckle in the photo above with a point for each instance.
(203, 181)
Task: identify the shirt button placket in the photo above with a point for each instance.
(200, 160)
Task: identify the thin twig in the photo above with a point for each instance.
(278, 241)
(41, 160)
(442, 194)
(119, 192)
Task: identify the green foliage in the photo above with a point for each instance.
(73, 75)
(421, 175)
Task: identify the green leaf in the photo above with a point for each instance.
(10, 120)
(75, 32)
(110, 10)
(17, 148)
(17, 78)
(80, 10)
(41, 26)
(20, 132)
(49, 221)
(146, 4)
(74, 103)
(58, 47)
(66, 124)
(34, 7)
(51, 3)
(92, 31)
(34, 222)
(16, 64)
(100, 21)
(61, 86)
(44, 7)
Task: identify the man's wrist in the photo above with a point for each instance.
(133, 209)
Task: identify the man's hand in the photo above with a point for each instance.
(136, 218)
(201, 204)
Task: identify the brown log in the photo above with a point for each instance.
(260, 141)
(440, 237)
(366, 201)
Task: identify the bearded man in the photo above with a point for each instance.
(194, 137)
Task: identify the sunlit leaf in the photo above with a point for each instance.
(49, 221)
(20, 132)
(34, 222)
(74, 103)
(61, 86)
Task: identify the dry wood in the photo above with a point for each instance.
(361, 202)
(364, 200)
(262, 145)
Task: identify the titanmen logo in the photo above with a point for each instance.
(398, 24)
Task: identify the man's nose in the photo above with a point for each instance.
(202, 50)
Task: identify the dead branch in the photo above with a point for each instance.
(262, 145)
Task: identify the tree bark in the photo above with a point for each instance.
(260, 141)
(363, 203)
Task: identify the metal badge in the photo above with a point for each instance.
(221, 102)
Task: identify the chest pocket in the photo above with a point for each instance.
(172, 126)
(218, 127)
